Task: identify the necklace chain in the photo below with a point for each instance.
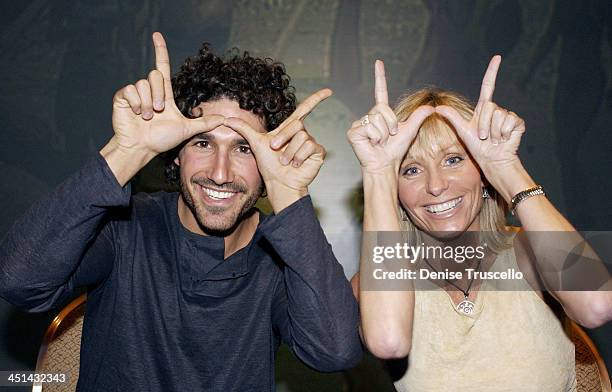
(466, 292)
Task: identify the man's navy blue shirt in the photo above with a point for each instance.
(165, 311)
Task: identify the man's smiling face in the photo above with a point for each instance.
(220, 182)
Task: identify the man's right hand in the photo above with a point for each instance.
(147, 122)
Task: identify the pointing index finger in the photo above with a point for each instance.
(488, 82)
(310, 103)
(162, 63)
(244, 129)
(412, 124)
(380, 84)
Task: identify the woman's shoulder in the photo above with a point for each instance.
(524, 256)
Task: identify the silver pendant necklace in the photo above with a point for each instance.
(466, 306)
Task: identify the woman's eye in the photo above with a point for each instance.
(410, 171)
(453, 160)
(244, 149)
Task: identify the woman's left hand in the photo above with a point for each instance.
(493, 135)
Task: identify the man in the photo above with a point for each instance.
(192, 291)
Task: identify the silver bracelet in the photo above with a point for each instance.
(526, 194)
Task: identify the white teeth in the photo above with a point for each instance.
(218, 195)
(442, 207)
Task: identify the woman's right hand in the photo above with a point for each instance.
(378, 139)
(146, 119)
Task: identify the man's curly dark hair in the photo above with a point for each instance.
(258, 85)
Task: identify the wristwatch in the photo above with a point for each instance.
(526, 194)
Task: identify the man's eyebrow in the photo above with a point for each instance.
(204, 136)
(239, 141)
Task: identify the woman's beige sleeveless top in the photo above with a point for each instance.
(512, 342)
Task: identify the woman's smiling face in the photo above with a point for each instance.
(440, 186)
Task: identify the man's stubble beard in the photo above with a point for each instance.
(206, 216)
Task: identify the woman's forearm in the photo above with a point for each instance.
(386, 316)
(552, 239)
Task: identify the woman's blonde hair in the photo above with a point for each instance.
(437, 133)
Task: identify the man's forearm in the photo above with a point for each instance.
(323, 311)
(44, 247)
(281, 196)
(124, 163)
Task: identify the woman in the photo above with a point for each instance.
(441, 170)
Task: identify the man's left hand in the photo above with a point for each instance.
(288, 158)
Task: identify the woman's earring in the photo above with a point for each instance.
(485, 193)
(404, 215)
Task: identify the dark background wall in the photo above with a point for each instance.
(61, 62)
